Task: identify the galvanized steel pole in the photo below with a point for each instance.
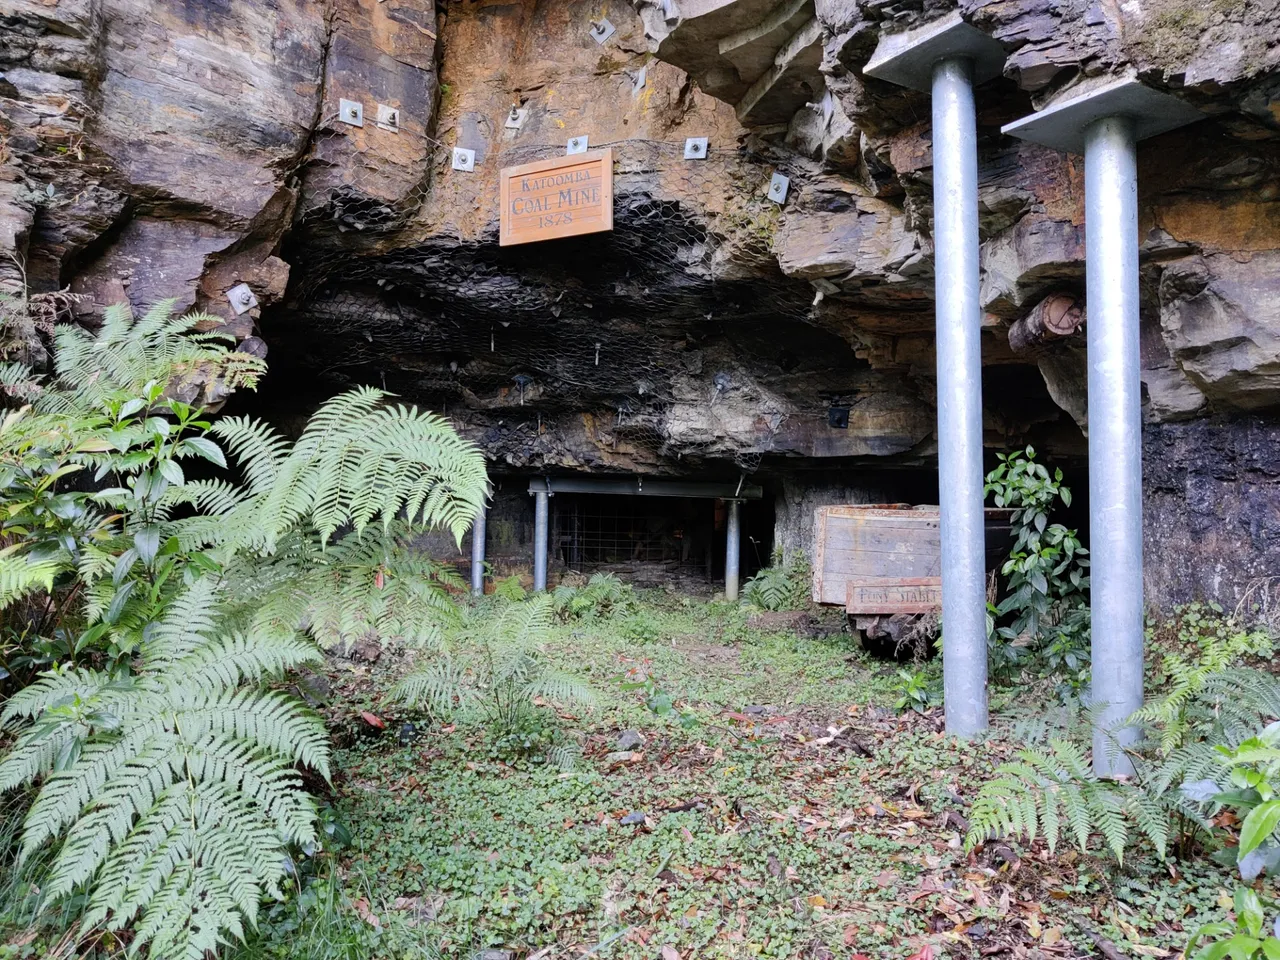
(1115, 435)
(960, 476)
(477, 553)
(732, 549)
(540, 503)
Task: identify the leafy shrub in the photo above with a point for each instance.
(163, 765)
(642, 626)
(657, 700)
(1246, 939)
(916, 690)
(1046, 571)
(1252, 772)
(783, 585)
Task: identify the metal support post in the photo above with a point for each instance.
(959, 319)
(477, 553)
(947, 58)
(1105, 123)
(732, 549)
(540, 511)
(1115, 435)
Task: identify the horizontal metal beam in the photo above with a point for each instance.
(645, 487)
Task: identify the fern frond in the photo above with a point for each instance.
(1039, 791)
(441, 688)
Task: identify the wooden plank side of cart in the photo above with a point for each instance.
(876, 544)
(854, 541)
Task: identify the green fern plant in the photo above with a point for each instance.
(496, 672)
(510, 589)
(783, 585)
(1189, 732)
(172, 796)
(162, 763)
(1055, 794)
(602, 596)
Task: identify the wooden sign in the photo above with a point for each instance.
(890, 596)
(561, 197)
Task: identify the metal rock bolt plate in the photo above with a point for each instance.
(464, 159)
(577, 145)
(602, 30)
(241, 298)
(352, 112)
(695, 148)
(388, 118)
(639, 80)
(778, 187)
(516, 118)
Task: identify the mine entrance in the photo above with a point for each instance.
(608, 531)
(653, 532)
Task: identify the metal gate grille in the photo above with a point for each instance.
(594, 531)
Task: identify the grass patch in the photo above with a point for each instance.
(799, 817)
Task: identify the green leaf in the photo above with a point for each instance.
(1258, 825)
(172, 472)
(118, 601)
(204, 447)
(1241, 947)
(147, 541)
(1248, 911)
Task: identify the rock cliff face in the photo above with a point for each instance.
(179, 149)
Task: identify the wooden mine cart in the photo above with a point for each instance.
(886, 558)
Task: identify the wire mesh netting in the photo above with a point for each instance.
(643, 331)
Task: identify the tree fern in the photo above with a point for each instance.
(152, 780)
(496, 668)
(165, 773)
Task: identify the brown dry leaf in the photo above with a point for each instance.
(817, 900)
(669, 952)
(1052, 936)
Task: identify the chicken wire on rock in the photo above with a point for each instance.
(590, 351)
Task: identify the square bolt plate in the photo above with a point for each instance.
(464, 159)
(352, 112)
(778, 187)
(602, 30)
(577, 145)
(516, 118)
(695, 148)
(388, 118)
(241, 298)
